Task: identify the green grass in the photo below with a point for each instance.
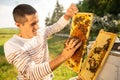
(63, 73)
(7, 71)
(56, 44)
(8, 30)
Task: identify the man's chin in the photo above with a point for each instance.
(35, 33)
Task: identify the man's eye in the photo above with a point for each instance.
(33, 24)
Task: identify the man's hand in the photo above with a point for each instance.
(71, 11)
(71, 45)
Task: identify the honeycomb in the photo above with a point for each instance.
(80, 28)
(97, 55)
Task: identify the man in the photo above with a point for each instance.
(28, 50)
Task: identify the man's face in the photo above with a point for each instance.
(29, 28)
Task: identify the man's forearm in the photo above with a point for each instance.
(56, 62)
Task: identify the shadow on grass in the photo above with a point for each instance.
(1, 50)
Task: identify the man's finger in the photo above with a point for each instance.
(75, 42)
(78, 45)
(67, 42)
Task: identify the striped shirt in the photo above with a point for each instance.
(31, 56)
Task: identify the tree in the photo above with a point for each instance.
(57, 13)
(113, 7)
(101, 7)
(47, 20)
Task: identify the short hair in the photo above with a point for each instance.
(21, 11)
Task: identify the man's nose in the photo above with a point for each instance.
(36, 27)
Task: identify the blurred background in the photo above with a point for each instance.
(106, 16)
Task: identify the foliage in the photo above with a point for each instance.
(113, 7)
(82, 6)
(57, 13)
(100, 7)
(108, 22)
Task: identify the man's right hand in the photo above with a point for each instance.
(71, 45)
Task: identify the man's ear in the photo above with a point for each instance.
(18, 25)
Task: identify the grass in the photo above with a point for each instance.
(8, 30)
(56, 44)
(7, 71)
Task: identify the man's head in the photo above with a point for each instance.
(21, 11)
(26, 19)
